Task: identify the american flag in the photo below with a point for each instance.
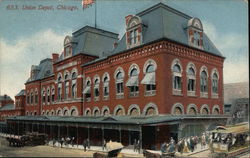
(87, 3)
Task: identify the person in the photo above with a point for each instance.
(88, 143)
(192, 144)
(72, 141)
(164, 147)
(104, 145)
(135, 145)
(85, 144)
(185, 147)
(171, 146)
(138, 146)
(61, 142)
(203, 141)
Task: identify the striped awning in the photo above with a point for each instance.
(149, 78)
(132, 81)
(86, 90)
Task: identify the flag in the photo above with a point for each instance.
(86, 3)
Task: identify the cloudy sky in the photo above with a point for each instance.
(30, 35)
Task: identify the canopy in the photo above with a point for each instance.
(86, 90)
(149, 78)
(132, 81)
(234, 129)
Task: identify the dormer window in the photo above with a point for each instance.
(133, 31)
(195, 33)
(67, 46)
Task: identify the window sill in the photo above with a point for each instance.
(204, 95)
(177, 92)
(120, 96)
(215, 96)
(88, 99)
(150, 93)
(191, 94)
(96, 98)
(105, 97)
(133, 94)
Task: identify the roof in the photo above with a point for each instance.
(161, 21)
(234, 91)
(21, 93)
(5, 97)
(140, 120)
(234, 129)
(92, 41)
(43, 70)
(7, 107)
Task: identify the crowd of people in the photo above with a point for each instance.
(185, 144)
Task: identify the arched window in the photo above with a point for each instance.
(53, 94)
(134, 110)
(87, 90)
(73, 112)
(150, 109)
(191, 79)
(177, 109)
(149, 78)
(31, 97)
(133, 34)
(59, 112)
(119, 83)
(66, 84)
(105, 111)
(105, 87)
(192, 109)
(59, 92)
(204, 110)
(44, 95)
(177, 77)
(28, 98)
(36, 96)
(119, 110)
(204, 82)
(215, 81)
(48, 95)
(87, 112)
(96, 88)
(96, 111)
(74, 87)
(216, 110)
(132, 82)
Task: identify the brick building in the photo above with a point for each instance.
(163, 78)
(9, 108)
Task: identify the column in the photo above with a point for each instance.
(140, 140)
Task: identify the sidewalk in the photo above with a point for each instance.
(197, 150)
(95, 148)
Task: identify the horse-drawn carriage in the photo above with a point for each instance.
(230, 140)
(29, 139)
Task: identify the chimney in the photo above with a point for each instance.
(55, 57)
(5, 96)
(128, 17)
(115, 45)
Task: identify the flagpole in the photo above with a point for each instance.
(95, 11)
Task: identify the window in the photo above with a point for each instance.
(119, 84)
(53, 95)
(67, 51)
(132, 83)
(196, 38)
(203, 81)
(87, 91)
(133, 33)
(215, 83)
(66, 83)
(96, 88)
(149, 80)
(48, 95)
(31, 98)
(44, 96)
(106, 86)
(36, 97)
(74, 91)
(133, 37)
(59, 91)
(177, 77)
(28, 98)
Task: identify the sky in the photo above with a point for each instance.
(28, 35)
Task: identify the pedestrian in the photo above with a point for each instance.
(72, 141)
(164, 147)
(88, 143)
(135, 145)
(85, 144)
(62, 140)
(138, 146)
(104, 145)
(192, 144)
(171, 146)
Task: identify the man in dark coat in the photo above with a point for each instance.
(85, 144)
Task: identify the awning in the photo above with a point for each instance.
(86, 90)
(132, 81)
(149, 78)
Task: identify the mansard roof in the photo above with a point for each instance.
(163, 22)
(21, 93)
(44, 70)
(7, 107)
